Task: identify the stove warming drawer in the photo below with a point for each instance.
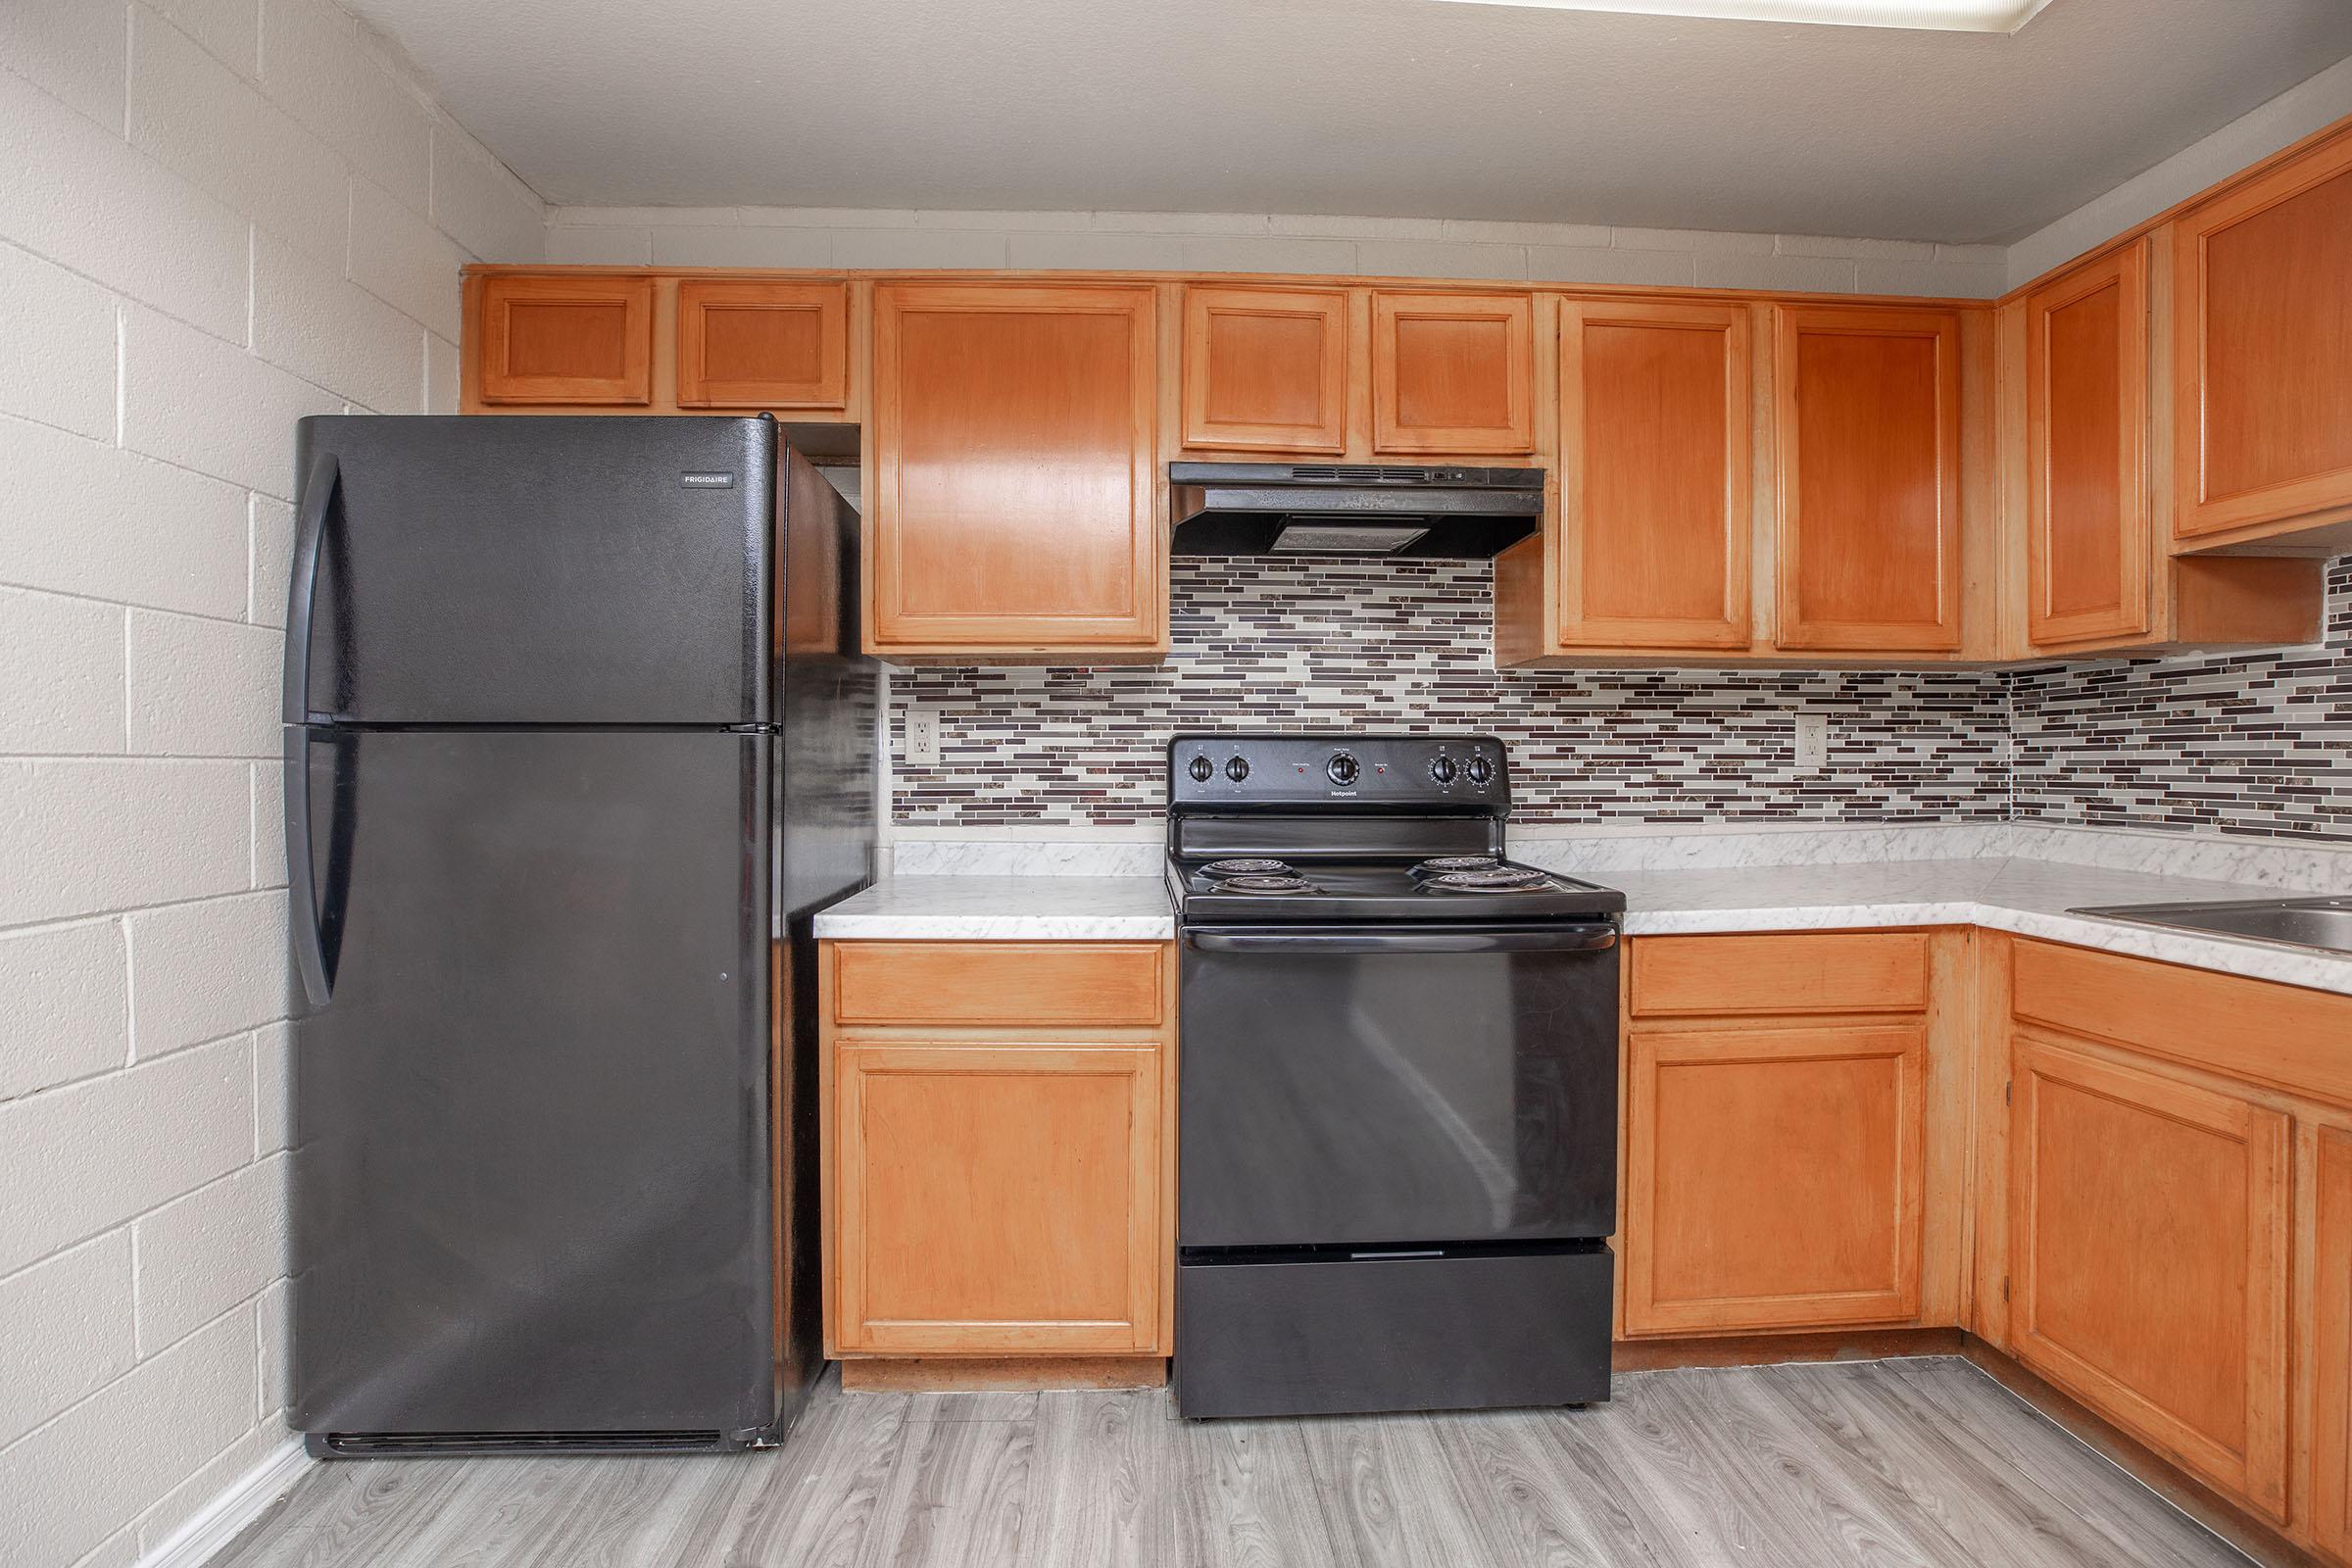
(1326, 1335)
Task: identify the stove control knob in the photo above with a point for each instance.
(1441, 770)
(1201, 770)
(1342, 769)
(1482, 771)
(1237, 768)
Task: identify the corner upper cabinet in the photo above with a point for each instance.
(2088, 545)
(1867, 414)
(1452, 373)
(1014, 494)
(1655, 476)
(747, 344)
(582, 338)
(1265, 370)
(2262, 356)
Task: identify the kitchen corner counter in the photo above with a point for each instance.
(2026, 898)
(1003, 909)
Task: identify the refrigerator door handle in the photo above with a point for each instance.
(301, 876)
(302, 589)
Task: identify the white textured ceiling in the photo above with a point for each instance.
(1401, 107)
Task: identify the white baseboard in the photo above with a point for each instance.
(218, 1522)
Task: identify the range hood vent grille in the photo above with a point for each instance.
(1425, 512)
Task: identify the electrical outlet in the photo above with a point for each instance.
(1812, 740)
(922, 735)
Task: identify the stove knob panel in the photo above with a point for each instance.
(1442, 769)
(1482, 771)
(1201, 770)
(1342, 769)
(1237, 768)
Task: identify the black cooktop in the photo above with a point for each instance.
(1213, 888)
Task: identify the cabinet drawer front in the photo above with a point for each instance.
(2148, 1240)
(2283, 1036)
(1802, 972)
(1773, 1179)
(999, 984)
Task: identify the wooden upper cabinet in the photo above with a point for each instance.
(1265, 370)
(1867, 409)
(2262, 350)
(2149, 1259)
(1775, 1178)
(997, 1199)
(754, 345)
(1015, 493)
(571, 338)
(1452, 372)
(2088, 544)
(2332, 1364)
(1655, 475)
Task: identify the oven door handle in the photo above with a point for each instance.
(1533, 938)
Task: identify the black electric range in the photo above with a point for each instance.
(1397, 1084)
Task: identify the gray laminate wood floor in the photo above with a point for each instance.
(1882, 1463)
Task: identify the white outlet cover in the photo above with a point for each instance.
(1812, 740)
(923, 736)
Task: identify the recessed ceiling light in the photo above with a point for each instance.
(1947, 15)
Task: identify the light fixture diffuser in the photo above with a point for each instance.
(1943, 16)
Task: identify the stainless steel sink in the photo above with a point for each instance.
(2321, 924)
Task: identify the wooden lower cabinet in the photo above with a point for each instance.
(1775, 1178)
(997, 1199)
(2330, 1384)
(999, 1178)
(2149, 1259)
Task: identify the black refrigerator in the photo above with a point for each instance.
(578, 740)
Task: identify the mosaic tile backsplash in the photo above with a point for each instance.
(2252, 744)
(1405, 646)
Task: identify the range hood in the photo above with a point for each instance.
(1282, 509)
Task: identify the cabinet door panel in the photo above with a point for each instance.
(1655, 475)
(2261, 348)
(1015, 493)
(1868, 409)
(747, 345)
(1265, 370)
(2332, 1368)
(997, 1199)
(2149, 1259)
(1452, 372)
(1773, 1178)
(566, 339)
(2086, 365)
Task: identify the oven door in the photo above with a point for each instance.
(1388, 1088)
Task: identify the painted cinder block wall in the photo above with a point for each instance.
(216, 215)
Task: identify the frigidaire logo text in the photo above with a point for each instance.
(708, 481)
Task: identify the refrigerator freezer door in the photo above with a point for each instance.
(532, 1182)
(533, 570)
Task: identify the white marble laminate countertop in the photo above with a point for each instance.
(2029, 897)
(1006, 908)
